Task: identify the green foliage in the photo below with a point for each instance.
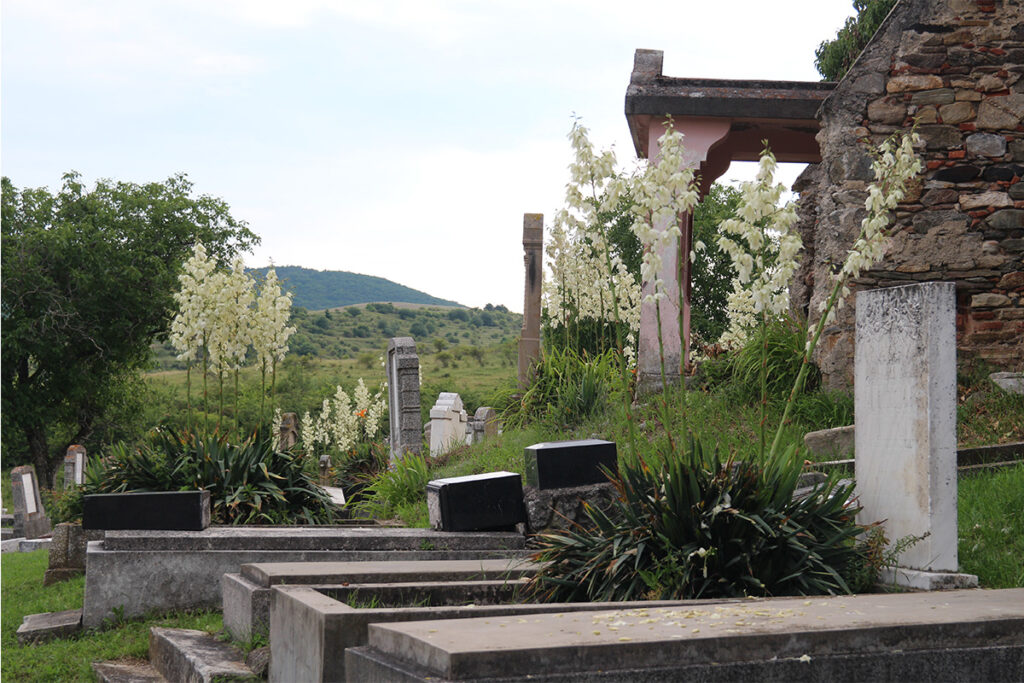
(991, 523)
(403, 484)
(695, 526)
(249, 483)
(87, 286)
(565, 388)
(785, 340)
(833, 58)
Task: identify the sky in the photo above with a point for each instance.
(403, 139)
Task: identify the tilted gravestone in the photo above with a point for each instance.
(30, 520)
(74, 466)
(477, 502)
(562, 464)
(288, 435)
(402, 366)
(447, 423)
(905, 402)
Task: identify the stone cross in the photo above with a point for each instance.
(30, 520)
(905, 402)
(447, 423)
(533, 258)
(288, 435)
(402, 367)
(74, 466)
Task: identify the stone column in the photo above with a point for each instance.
(700, 136)
(402, 366)
(533, 258)
(905, 402)
(288, 434)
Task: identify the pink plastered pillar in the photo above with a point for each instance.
(699, 136)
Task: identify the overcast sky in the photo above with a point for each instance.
(403, 139)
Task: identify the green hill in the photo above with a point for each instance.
(319, 289)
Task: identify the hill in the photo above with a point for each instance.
(320, 289)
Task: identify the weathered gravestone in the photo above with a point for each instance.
(447, 423)
(67, 552)
(477, 502)
(30, 520)
(905, 402)
(482, 425)
(74, 466)
(288, 435)
(533, 260)
(402, 366)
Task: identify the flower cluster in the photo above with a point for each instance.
(588, 279)
(344, 421)
(270, 330)
(764, 247)
(895, 165)
(664, 193)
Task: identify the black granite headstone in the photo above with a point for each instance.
(476, 503)
(564, 464)
(161, 510)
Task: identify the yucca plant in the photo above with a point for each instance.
(566, 387)
(696, 526)
(249, 483)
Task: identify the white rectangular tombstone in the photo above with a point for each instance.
(74, 466)
(447, 423)
(30, 520)
(905, 443)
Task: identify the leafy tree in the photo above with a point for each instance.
(833, 58)
(87, 286)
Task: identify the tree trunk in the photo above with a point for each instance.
(39, 449)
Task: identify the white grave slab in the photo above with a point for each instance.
(905, 402)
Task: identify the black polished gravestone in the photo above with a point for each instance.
(160, 510)
(479, 502)
(565, 464)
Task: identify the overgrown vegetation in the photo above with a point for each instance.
(833, 58)
(250, 482)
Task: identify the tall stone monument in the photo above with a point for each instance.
(288, 434)
(533, 259)
(905, 402)
(402, 367)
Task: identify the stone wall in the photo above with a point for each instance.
(956, 67)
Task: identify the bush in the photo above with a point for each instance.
(565, 387)
(698, 527)
(405, 483)
(785, 339)
(249, 483)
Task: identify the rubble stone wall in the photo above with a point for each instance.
(956, 67)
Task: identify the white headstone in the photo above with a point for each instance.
(28, 485)
(447, 423)
(905, 402)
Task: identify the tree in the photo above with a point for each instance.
(87, 286)
(833, 58)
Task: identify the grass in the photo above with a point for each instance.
(991, 518)
(69, 660)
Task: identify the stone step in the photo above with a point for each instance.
(39, 628)
(180, 654)
(127, 672)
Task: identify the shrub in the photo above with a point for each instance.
(566, 387)
(249, 483)
(785, 339)
(405, 483)
(698, 527)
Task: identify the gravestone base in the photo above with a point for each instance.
(550, 509)
(918, 579)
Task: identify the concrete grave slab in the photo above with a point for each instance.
(141, 571)
(38, 628)
(956, 635)
(246, 595)
(310, 628)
